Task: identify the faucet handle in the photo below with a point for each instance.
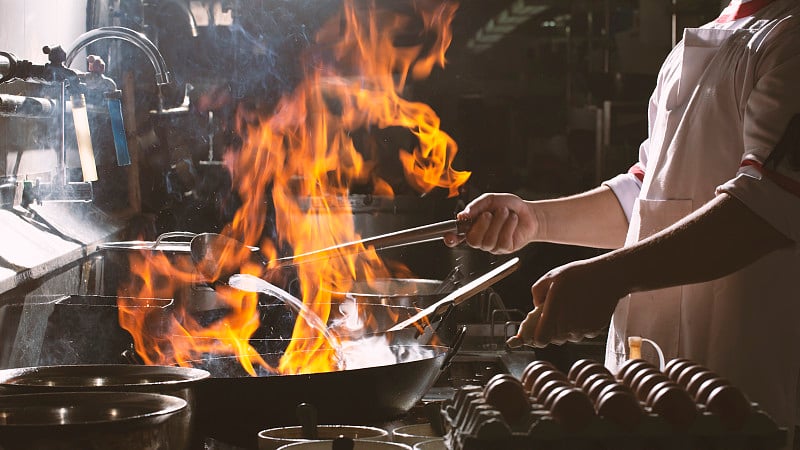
(56, 55)
(96, 64)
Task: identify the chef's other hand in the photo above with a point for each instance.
(526, 331)
(576, 300)
(501, 224)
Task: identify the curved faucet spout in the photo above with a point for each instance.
(128, 35)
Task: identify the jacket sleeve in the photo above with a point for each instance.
(768, 180)
(627, 186)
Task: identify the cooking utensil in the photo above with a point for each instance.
(464, 292)
(83, 379)
(273, 438)
(233, 410)
(118, 263)
(411, 434)
(218, 256)
(416, 292)
(345, 444)
(90, 420)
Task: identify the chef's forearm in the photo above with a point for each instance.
(592, 219)
(716, 240)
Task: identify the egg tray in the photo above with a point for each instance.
(487, 429)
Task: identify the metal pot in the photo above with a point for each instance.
(416, 292)
(73, 329)
(118, 261)
(90, 420)
(179, 382)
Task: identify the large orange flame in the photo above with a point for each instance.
(356, 72)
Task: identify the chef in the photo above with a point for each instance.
(705, 226)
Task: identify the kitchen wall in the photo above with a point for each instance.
(28, 25)
(26, 146)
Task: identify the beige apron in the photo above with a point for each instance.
(740, 324)
(644, 311)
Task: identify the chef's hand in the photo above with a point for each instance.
(572, 302)
(501, 224)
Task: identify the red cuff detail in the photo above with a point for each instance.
(787, 184)
(736, 10)
(637, 171)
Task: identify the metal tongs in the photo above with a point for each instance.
(217, 256)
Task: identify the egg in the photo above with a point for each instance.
(697, 380)
(687, 373)
(537, 364)
(675, 370)
(621, 408)
(551, 394)
(594, 377)
(596, 387)
(496, 379)
(616, 387)
(531, 373)
(627, 380)
(508, 396)
(654, 390)
(647, 383)
(707, 386)
(630, 364)
(672, 362)
(543, 378)
(675, 406)
(638, 376)
(577, 366)
(588, 370)
(731, 405)
(572, 409)
(549, 386)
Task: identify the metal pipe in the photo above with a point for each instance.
(5, 65)
(126, 34)
(188, 13)
(21, 106)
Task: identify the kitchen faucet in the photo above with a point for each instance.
(126, 34)
(58, 71)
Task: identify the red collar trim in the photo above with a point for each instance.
(737, 10)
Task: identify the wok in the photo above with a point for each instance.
(234, 410)
(277, 318)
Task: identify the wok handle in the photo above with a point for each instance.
(454, 348)
(408, 236)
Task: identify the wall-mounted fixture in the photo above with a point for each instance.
(502, 24)
(74, 87)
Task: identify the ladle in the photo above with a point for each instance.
(251, 283)
(218, 256)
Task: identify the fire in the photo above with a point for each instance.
(301, 159)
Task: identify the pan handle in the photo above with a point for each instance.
(171, 235)
(456, 345)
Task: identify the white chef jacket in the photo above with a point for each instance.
(723, 99)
